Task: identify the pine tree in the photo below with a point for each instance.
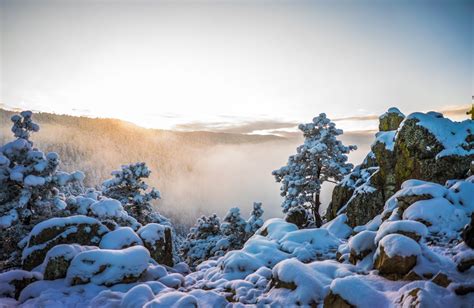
(255, 220)
(234, 228)
(128, 186)
(321, 158)
(30, 183)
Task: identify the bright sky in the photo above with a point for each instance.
(205, 64)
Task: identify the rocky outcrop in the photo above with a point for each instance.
(420, 146)
(80, 230)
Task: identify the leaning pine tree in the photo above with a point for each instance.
(321, 158)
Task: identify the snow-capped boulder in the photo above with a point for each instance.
(354, 291)
(396, 255)
(120, 238)
(157, 239)
(137, 296)
(390, 120)
(464, 260)
(173, 300)
(413, 229)
(59, 258)
(361, 245)
(80, 230)
(108, 267)
(14, 281)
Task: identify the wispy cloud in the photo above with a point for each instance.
(246, 127)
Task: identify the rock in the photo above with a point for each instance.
(336, 301)
(340, 195)
(157, 239)
(80, 230)
(396, 256)
(468, 233)
(390, 120)
(404, 202)
(108, 267)
(366, 203)
(412, 276)
(416, 150)
(59, 258)
(120, 238)
(441, 280)
(361, 245)
(464, 261)
(464, 289)
(14, 281)
(298, 215)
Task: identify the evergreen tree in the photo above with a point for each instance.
(321, 158)
(234, 229)
(255, 220)
(128, 186)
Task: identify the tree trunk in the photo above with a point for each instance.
(317, 218)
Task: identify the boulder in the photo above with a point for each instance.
(336, 301)
(396, 255)
(157, 239)
(14, 281)
(59, 258)
(361, 245)
(468, 233)
(79, 229)
(108, 267)
(441, 280)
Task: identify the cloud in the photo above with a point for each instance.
(246, 127)
(369, 117)
(456, 110)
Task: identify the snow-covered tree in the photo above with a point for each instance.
(321, 158)
(30, 182)
(201, 241)
(234, 228)
(128, 186)
(255, 220)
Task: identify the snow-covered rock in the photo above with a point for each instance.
(120, 238)
(59, 258)
(157, 239)
(81, 230)
(108, 267)
(13, 282)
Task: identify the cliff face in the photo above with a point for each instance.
(421, 146)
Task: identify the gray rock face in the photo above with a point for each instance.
(410, 152)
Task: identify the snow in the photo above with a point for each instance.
(392, 110)
(152, 232)
(276, 228)
(440, 215)
(338, 227)
(33, 180)
(406, 226)
(359, 293)
(7, 220)
(7, 288)
(362, 242)
(108, 208)
(66, 251)
(138, 296)
(307, 244)
(174, 299)
(108, 267)
(452, 135)
(387, 138)
(120, 238)
(399, 245)
(59, 222)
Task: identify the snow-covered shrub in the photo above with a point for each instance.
(321, 158)
(201, 241)
(128, 186)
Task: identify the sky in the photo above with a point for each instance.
(236, 66)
